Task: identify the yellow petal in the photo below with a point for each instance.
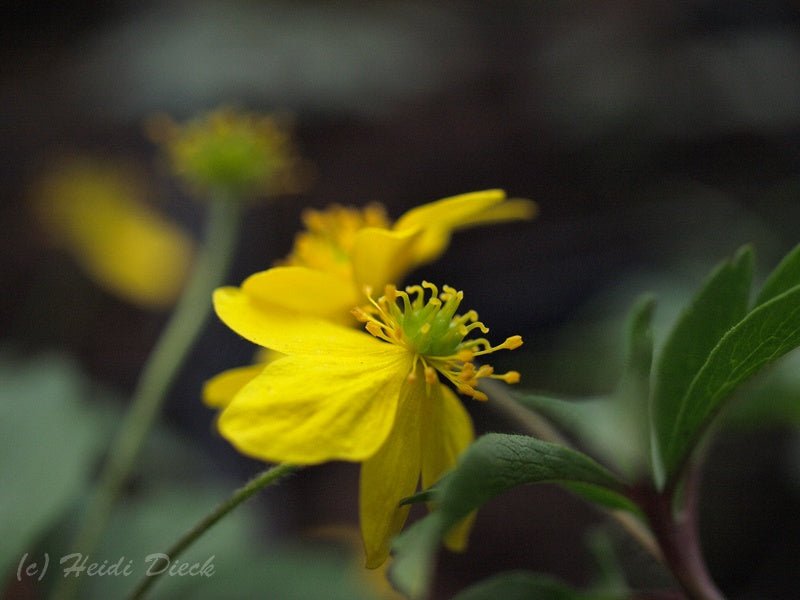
(391, 475)
(438, 220)
(220, 389)
(457, 538)
(308, 291)
(448, 212)
(513, 209)
(266, 356)
(382, 256)
(446, 433)
(307, 410)
(142, 259)
(96, 210)
(287, 331)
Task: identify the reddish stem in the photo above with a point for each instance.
(677, 535)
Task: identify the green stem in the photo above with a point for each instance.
(158, 375)
(259, 482)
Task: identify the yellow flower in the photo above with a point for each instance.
(340, 394)
(96, 211)
(234, 153)
(345, 249)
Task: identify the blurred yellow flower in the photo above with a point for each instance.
(237, 154)
(96, 210)
(340, 394)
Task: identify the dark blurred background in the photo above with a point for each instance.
(657, 137)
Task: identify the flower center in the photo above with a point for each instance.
(230, 151)
(432, 330)
(327, 243)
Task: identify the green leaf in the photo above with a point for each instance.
(629, 406)
(524, 585)
(639, 347)
(493, 464)
(771, 402)
(616, 427)
(603, 497)
(49, 439)
(498, 462)
(784, 277)
(595, 423)
(414, 553)
(767, 333)
(718, 306)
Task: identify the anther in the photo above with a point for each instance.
(484, 371)
(465, 355)
(430, 375)
(510, 377)
(374, 328)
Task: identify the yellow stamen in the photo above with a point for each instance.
(435, 334)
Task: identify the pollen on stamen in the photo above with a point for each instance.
(375, 329)
(430, 375)
(512, 343)
(467, 372)
(424, 321)
(484, 371)
(390, 292)
(360, 314)
(470, 391)
(465, 355)
(510, 377)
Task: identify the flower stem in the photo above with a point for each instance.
(158, 375)
(259, 482)
(677, 535)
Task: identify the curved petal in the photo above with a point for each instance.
(287, 331)
(448, 212)
(391, 475)
(446, 432)
(438, 219)
(220, 389)
(513, 209)
(382, 256)
(307, 410)
(304, 290)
